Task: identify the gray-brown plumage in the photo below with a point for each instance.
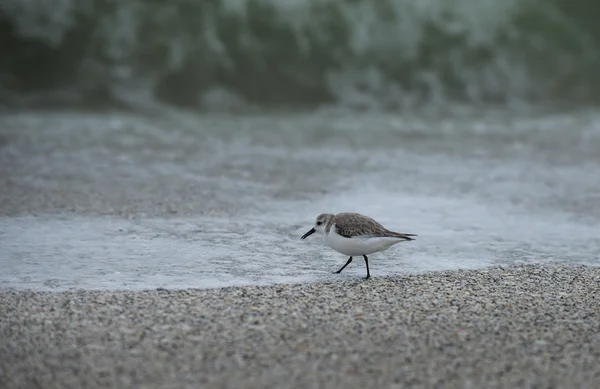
(354, 224)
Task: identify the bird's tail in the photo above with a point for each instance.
(402, 235)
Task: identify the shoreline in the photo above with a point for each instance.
(508, 326)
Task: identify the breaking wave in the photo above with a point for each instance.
(228, 54)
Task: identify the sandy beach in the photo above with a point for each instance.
(524, 326)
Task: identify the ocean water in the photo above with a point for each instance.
(239, 54)
(190, 144)
(117, 200)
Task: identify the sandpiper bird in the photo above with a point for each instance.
(354, 234)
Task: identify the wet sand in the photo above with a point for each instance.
(524, 326)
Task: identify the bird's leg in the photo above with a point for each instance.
(367, 263)
(349, 260)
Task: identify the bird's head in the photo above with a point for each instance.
(320, 223)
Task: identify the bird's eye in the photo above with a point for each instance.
(319, 223)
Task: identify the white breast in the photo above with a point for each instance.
(356, 246)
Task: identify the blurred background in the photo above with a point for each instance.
(219, 54)
(191, 143)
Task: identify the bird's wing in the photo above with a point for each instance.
(351, 225)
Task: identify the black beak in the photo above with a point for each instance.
(309, 233)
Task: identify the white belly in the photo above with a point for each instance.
(358, 246)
